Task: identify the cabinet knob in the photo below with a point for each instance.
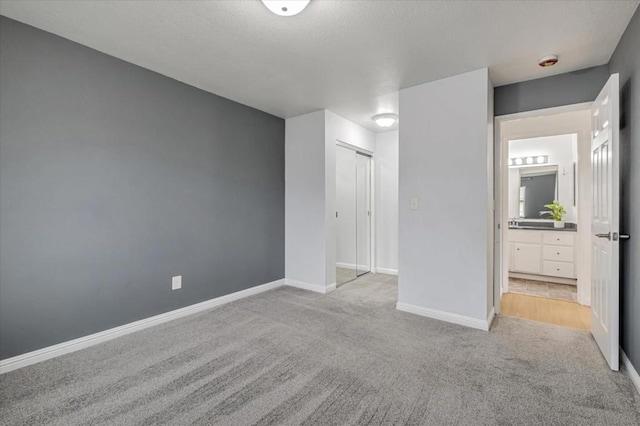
(558, 269)
(558, 253)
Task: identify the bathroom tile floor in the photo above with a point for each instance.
(543, 289)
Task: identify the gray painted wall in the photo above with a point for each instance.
(563, 89)
(112, 180)
(626, 61)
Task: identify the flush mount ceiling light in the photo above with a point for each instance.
(385, 120)
(548, 61)
(286, 7)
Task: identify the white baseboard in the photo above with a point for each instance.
(631, 371)
(63, 348)
(388, 271)
(352, 266)
(346, 265)
(444, 316)
(318, 288)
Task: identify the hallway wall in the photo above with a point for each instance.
(445, 246)
(386, 200)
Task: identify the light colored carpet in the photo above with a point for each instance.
(293, 357)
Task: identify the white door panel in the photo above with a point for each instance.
(605, 163)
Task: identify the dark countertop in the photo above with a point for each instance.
(545, 226)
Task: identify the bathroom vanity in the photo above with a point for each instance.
(543, 253)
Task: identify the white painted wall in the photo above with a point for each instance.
(305, 229)
(562, 152)
(444, 159)
(386, 205)
(310, 194)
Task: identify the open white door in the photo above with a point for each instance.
(605, 225)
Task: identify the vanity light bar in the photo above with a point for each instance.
(528, 161)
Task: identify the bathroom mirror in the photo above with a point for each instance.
(538, 186)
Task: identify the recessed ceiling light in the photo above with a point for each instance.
(385, 120)
(286, 7)
(548, 61)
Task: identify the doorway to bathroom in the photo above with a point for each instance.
(590, 253)
(544, 254)
(545, 204)
(353, 213)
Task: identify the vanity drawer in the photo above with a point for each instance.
(558, 269)
(519, 236)
(557, 253)
(558, 238)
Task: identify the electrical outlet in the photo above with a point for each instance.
(176, 282)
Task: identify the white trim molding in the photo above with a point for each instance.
(492, 315)
(387, 271)
(63, 348)
(446, 316)
(318, 288)
(631, 371)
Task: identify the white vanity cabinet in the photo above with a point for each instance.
(542, 252)
(526, 257)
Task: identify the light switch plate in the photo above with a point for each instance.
(176, 282)
(414, 203)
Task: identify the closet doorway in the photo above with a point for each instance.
(353, 213)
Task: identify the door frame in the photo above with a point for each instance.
(372, 217)
(500, 178)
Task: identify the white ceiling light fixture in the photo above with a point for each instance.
(385, 120)
(286, 7)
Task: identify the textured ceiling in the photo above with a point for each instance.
(348, 56)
